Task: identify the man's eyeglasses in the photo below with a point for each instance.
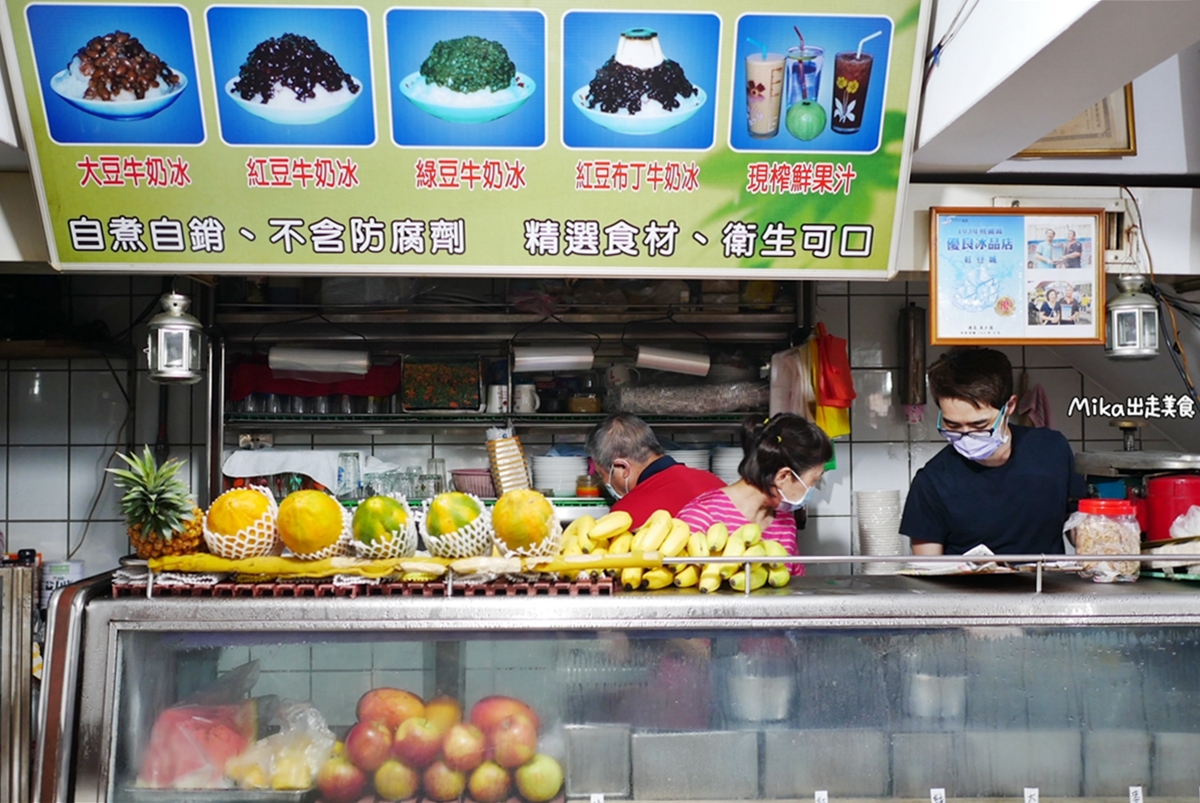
(979, 434)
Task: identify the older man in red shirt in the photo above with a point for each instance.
(638, 474)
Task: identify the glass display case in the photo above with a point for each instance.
(865, 687)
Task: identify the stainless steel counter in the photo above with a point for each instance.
(894, 684)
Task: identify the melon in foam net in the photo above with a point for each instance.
(240, 523)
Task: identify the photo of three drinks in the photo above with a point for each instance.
(811, 82)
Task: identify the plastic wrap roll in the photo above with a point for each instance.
(679, 362)
(301, 363)
(532, 359)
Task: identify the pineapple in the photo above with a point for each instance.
(158, 508)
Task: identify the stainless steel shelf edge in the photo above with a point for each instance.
(808, 602)
(1115, 464)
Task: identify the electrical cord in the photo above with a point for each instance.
(956, 24)
(1174, 345)
(87, 524)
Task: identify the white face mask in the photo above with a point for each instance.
(788, 505)
(608, 485)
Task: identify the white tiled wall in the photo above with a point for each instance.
(61, 421)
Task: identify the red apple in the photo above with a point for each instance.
(514, 741)
(396, 781)
(368, 745)
(491, 711)
(540, 779)
(340, 781)
(464, 747)
(443, 783)
(417, 742)
(389, 706)
(443, 711)
(489, 783)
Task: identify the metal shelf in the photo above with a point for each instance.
(392, 329)
(243, 422)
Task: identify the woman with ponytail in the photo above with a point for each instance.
(785, 458)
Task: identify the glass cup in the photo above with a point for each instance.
(349, 482)
(764, 93)
(803, 78)
(851, 77)
(436, 466)
(429, 485)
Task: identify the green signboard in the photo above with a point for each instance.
(471, 139)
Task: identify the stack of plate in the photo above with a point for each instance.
(558, 474)
(879, 529)
(695, 458)
(725, 462)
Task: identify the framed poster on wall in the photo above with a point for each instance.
(1016, 276)
(1101, 131)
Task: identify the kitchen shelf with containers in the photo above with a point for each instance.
(870, 688)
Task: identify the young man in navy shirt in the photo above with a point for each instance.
(1005, 486)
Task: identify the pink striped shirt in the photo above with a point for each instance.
(713, 506)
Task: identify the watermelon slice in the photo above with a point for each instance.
(190, 744)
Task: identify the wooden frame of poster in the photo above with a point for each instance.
(1016, 276)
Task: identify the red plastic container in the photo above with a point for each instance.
(1168, 498)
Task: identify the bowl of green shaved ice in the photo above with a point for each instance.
(468, 80)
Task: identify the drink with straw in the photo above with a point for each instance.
(851, 78)
(764, 93)
(804, 65)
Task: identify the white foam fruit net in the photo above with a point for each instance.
(257, 540)
(466, 542)
(395, 544)
(343, 546)
(549, 546)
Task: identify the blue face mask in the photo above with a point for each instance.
(788, 505)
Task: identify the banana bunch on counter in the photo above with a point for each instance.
(746, 541)
(672, 538)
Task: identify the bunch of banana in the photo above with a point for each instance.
(672, 538)
(588, 536)
(745, 541)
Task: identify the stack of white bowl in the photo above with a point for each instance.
(879, 529)
(558, 474)
(695, 458)
(725, 462)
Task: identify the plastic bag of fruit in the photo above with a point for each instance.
(190, 744)
(289, 759)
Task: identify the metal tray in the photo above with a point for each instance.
(133, 794)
